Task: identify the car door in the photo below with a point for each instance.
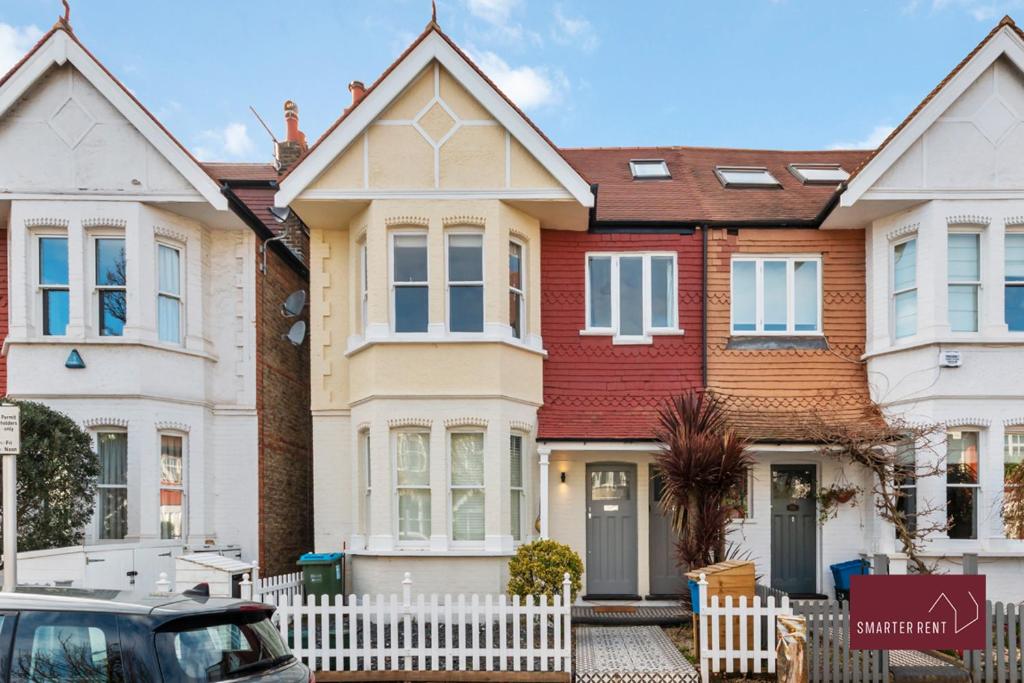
(7, 624)
(66, 646)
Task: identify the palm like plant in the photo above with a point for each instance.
(702, 462)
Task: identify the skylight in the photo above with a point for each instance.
(819, 174)
(745, 176)
(649, 168)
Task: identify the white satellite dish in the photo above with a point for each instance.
(297, 333)
(294, 304)
(281, 214)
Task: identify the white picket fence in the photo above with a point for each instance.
(738, 635)
(280, 587)
(428, 633)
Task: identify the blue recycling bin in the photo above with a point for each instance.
(694, 595)
(842, 572)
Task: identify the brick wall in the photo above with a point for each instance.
(592, 388)
(285, 425)
(777, 393)
(4, 303)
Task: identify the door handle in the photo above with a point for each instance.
(90, 560)
(167, 554)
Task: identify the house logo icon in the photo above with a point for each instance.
(959, 623)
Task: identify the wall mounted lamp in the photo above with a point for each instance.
(562, 477)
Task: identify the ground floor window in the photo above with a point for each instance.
(738, 500)
(467, 486)
(172, 486)
(515, 459)
(1013, 456)
(412, 478)
(112, 487)
(906, 485)
(962, 459)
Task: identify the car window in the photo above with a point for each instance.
(66, 646)
(219, 648)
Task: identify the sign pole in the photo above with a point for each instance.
(10, 446)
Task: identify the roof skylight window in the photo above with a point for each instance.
(644, 169)
(745, 176)
(819, 174)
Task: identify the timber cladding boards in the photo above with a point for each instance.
(774, 392)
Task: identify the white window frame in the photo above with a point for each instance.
(94, 240)
(649, 330)
(720, 172)
(449, 283)
(759, 260)
(184, 482)
(396, 488)
(364, 285)
(518, 491)
(180, 297)
(366, 455)
(465, 487)
(979, 292)
(41, 289)
(521, 291)
(898, 482)
(975, 486)
(1007, 283)
(634, 164)
(392, 285)
(1018, 431)
(893, 292)
(97, 523)
(798, 171)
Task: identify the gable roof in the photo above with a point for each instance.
(1005, 38)
(60, 46)
(432, 44)
(694, 194)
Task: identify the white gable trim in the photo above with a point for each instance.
(376, 101)
(1005, 42)
(60, 49)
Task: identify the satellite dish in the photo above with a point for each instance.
(281, 214)
(297, 334)
(294, 304)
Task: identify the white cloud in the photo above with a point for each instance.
(497, 14)
(530, 87)
(872, 140)
(492, 11)
(15, 42)
(574, 31)
(229, 143)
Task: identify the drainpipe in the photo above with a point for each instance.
(544, 457)
(704, 308)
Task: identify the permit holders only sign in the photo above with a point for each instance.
(10, 430)
(917, 612)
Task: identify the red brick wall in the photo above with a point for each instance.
(592, 388)
(285, 425)
(4, 299)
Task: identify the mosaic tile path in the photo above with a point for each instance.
(632, 615)
(627, 654)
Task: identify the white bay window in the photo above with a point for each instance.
(515, 460)
(467, 486)
(410, 291)
(904, 288)
(168, 298)
(112, 485)
(412, 485)
(776, 295)
(964, 272)
(465, 282)
(172, 486)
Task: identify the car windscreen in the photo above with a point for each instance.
(219, 647)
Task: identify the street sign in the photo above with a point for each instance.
(10, 430)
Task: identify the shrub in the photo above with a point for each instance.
(539, 568)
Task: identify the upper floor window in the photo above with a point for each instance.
(1013, 456)
(745, 176)
(111, 278)
(172, 486)
(412, 485)
(410, 291)
(962, 483)
(1015, 281)
(168, 298)
(964, 259)
(631, 294)
(516, 290)
(53, 283)
(904, 288)
(467, 486)
(776, 295)
(364, 286)
(465, 282)
(112, 485)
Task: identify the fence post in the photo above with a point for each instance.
(245, 587)
(702, 623)
(255, 573)
(566, 623)
(163, 584)
(880, 564)
(970, 564)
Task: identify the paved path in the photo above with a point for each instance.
(625, 654)
(630, 615)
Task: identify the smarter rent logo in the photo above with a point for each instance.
(917, 612)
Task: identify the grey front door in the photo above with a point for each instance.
(611, 530)
(666, 575)
(794, 527)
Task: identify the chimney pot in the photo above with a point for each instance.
(288, 151)
(358, 90)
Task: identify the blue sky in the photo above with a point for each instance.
(795, 74)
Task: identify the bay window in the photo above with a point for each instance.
(364, 448)
(172, 486)
(516, 290)
(904, 288)
(631, 295)
(53, 283)
(465, 282)
(906, 484)
(467, 485)
(112, 485)
(168, 298)
(515, 459)
(1013, 508)
(1014, 288)
(364, 287)
(962, 460)
(964, 260)
(412, 485)
(410, 291)
(776, 295)
(111, 278)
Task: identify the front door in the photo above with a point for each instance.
(666, 575)
(794, 527)
(611, 530)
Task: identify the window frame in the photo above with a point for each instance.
(452, 487)
(521, 291)
(366, 458)
(899, 480)
(649, 330)
(1015, 231)
(180, 297)
(364, 285)
(1011, 431)
(518, 491)
(97, 523)
(977, 284)
(797, 170)
(44, 289)
(976, 487)
(449, 283)
(636, 163)
(97, 288)
(393, 285)
(182, 488)
(720, 172)
(396, 488)
(759, 298)
(893, 292)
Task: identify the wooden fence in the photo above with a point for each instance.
(829, 657)
(283, 587)
(429, 633)
(1001, 660)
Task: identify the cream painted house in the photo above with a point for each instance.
(425, 204)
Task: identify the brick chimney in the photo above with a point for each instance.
(358, 90)
(288, 151)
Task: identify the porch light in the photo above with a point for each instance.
(561, 476)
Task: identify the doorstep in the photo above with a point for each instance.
(633, 613)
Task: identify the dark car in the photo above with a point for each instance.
(60, 634)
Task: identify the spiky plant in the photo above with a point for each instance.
(702, 461)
